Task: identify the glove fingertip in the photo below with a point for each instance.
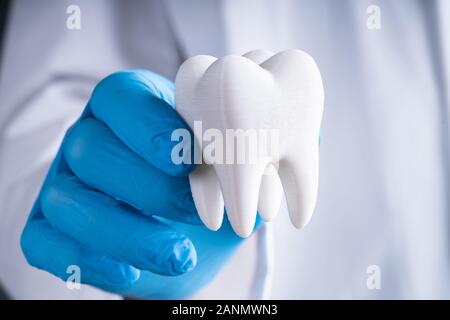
(184, 256)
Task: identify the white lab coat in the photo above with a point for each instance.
(384, 184)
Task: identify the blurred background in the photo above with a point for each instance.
(383, 208)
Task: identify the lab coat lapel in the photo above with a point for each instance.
(198, 26)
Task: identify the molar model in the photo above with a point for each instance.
(259, 91)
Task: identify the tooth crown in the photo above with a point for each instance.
(259, 90)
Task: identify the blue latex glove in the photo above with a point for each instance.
(114, 203)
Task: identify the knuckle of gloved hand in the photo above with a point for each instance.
(117, 78)
(53, 197)
(77, 143)
(34, 243)
(27, 241)
(115, 82)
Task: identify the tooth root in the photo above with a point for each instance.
(207, 196)
(270, 194)
(240, 188)
(299, 176)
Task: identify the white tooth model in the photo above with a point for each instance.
(260, 90)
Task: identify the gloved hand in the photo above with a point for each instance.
(115, 204)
